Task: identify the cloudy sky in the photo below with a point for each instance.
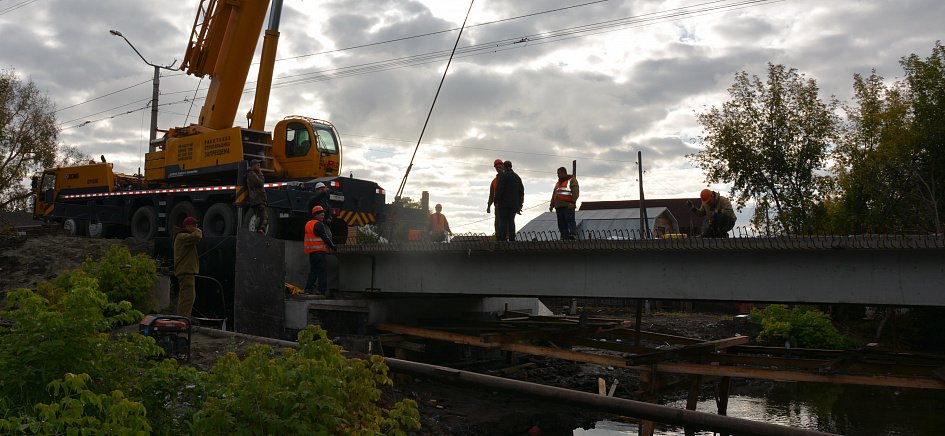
(540, 83)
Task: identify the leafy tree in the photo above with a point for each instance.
(314, 390)
(891, 157)
(28, 135)
(771, 141)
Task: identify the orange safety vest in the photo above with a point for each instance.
(439, 223)
(563, 191)
(313, 243)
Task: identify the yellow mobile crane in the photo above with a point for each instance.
(197, 170)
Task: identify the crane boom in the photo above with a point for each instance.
(221, 46)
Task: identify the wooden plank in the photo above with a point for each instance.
(521, 348)
(771, 374)
(657, 337)
(687, 352)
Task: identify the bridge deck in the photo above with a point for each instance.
(873, 269)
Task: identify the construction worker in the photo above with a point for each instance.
(186, 264)
(321, 199)
(564, 202)
(256, 186)
(316, 244)
(439, 227)
(509, 199)
(720, 217)
(497, 164)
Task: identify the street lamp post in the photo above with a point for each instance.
(156, 84)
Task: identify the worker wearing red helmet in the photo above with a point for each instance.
(186, 264)
(316, 244)
(497, 164)
(720, 216)
(439, 227)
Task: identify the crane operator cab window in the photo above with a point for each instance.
(298, 140)
(326, 140)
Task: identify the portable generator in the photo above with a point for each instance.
(171, 332)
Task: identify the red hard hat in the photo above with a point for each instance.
(497, 162)
(189, 221)
(317, 209)
(705, 195)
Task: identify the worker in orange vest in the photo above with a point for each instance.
(498, 170)
(316, 244)
(564, 202)
(439, 227)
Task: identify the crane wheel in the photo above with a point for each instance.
(144, 223)
(180, 211)
(73, 227)
(219, 220)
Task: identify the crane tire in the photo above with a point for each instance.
(144, 223)
(179, 211)
(219, 220)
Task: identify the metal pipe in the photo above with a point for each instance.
(637, 409)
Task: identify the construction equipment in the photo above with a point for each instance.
(198, 170)
(172, 333)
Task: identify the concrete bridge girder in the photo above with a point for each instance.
(902, 277)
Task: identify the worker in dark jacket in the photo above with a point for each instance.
(186, 264)
(322, 197)
(256, 186)
(499, 167)
(316, 244)
(564, 202)
(718, 212)
(509, 199)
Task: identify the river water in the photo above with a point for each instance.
(849, 410)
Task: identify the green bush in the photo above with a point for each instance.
(78, 410)
(803, 327)
(50, 337)
(123, 277)
(314, 390)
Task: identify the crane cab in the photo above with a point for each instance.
(305, 148)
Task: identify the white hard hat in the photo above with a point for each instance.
(319, 185)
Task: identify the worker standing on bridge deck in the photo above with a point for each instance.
(720, 217)
(321, 199)
(498, 170)
(256, 185)
(439, 227)
(316, 244)
(186, 264)
(509, 199)
(564, 201)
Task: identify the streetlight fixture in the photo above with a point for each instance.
(156, 84)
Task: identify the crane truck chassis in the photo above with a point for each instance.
(93, 200)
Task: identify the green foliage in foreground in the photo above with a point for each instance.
(61, 372)
(803, 327)
(78, 410)
(313, 390)
(123, 277)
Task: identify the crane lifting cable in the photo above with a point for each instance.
(403, 182)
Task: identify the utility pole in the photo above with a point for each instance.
(155, 87)
(644, 227)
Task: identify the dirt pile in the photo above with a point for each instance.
(27, 261)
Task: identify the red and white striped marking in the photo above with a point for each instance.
(164, 191)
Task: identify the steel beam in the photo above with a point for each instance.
(877, 272)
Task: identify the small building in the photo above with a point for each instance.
(689, 222)
(614, 224)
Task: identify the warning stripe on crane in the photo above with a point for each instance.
(356, 218)
(165, 191)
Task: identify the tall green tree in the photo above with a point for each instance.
(770, 141)
(891, 157)
(28, 135)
